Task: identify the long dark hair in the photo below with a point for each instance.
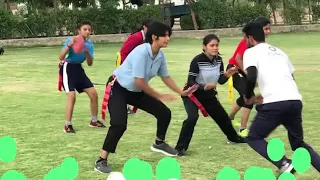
(146, 23)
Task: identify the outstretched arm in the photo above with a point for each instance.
(167, 80)
(224, 76)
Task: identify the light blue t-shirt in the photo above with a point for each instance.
(140, 64)
(80, 57)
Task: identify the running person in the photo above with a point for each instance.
(239, 80)
(129, 85)
(134, 40)
(280, 100)
(73, 76)
(206, 70)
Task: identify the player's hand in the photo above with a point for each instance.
(210, 86)
(85, 48)
(167, 97)
(258, 99)
(60, 63)
(232, 70)
(250, 100)
(190, 90)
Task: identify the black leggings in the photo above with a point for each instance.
(239, 83)
(215, 111)
(119, 98)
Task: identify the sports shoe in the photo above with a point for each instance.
(102, 166)
(287, 167)
(68, 129)
(237, 140)
(235, 123)
(96, 124)
(244, 132)
(165, 149)
(181, 152)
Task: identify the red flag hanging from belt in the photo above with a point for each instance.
(60, 80)
(106, 97)
(200, 106)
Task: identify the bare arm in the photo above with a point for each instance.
(239, 60)
(172, 85)
(140, 82)
(64, 52)
(89, 58)
(66, 48)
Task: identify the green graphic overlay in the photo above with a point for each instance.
(275, 149)
(228, 173)
(167, 169)
(301, 160)
(8, 150)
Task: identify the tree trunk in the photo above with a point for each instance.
(273, 9)
(193, 15)
(194, 20)
(284, 4)
(7, 4)
(274, 16)
(309, 7)
(124, 4)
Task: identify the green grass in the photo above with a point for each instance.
(32, 111)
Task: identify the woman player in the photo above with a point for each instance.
(239, 81)
(129, 85)
(206, 70)
(134, 40)
(73, 77)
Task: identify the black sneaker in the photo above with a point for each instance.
(68, 129)
(165, 149)
(102, 167)
(286, 168)
(181, 152)
(237, 140)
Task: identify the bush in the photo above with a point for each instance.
(244, 14)
(293, 15)
(315, 13)
(8, 24)
(215, 14)
(53, 22)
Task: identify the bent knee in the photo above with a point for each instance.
(164, 114)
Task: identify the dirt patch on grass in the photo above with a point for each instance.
(307, 68)
(17, 87)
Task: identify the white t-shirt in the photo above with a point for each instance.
(275, 73)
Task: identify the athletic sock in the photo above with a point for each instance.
(242, 128)
(94, 119)
(101, 159)
(68, 123)
(158, 142)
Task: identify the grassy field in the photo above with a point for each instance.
(32, 111)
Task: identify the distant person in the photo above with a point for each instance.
(206, 70)
(73, 77)
(239, 80)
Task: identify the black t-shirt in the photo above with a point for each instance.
(203, 71)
